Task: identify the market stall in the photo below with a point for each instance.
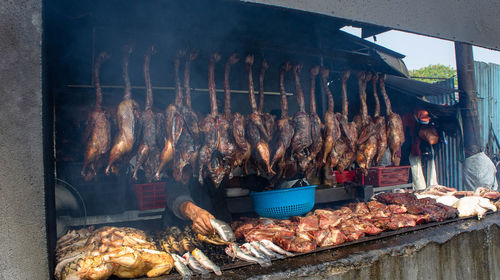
(146, 95)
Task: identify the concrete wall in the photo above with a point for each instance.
(23, 249)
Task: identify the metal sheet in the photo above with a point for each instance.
(488, 90)
(447, 19)
(447, 156)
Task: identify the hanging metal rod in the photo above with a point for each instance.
(173, 88)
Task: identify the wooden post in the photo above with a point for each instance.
(468, 98)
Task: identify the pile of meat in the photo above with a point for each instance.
(127, 253)
(98, 254)
(180, 143)
(468, 203)
(326, 227)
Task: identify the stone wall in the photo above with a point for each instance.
(23, 245)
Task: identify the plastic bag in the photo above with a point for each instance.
(479, 171)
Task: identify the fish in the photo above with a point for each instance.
(234, 251)
(181, 267)
(223, 230)
(271, 246)
(205, 261)
(259, 246)
(195, 265)
(212, 239)
(251, 250)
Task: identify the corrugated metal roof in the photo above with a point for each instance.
(416, 88)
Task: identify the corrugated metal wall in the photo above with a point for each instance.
(446, 156)
(488, 88)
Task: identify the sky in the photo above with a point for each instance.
(421, 50)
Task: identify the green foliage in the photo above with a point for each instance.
(433, 71)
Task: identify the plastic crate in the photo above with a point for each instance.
(151, 196)
(384, 176)
(282, 204)
(346, 176)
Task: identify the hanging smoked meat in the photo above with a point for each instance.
(367, 141)
(346, 145)
(380, 130)
(208, 156)
(255, 130)
(267, 118)
(97, 130)
(316, 126)
(127, 116)
(186, 152)
(332, 129)
(173, 121)
(395, 132)
(302, 126)
(227, 146)
(236, 132)
(285, 129)
(148, 154)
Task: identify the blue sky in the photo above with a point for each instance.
(421, 51)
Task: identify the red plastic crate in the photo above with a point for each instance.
(151, 196)
(384, 176)
(346, 176)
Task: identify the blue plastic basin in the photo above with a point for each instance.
(282, 204)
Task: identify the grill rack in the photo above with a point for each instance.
(240, 264)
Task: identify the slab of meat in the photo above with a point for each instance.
(395, 132)
(330, 237)
(328, 218)
(346, 144)
(332, 128)
(396, 198)
(316, 127)
(401, 221)
(302, 127)
(148, 154)
(285, 130)
(380, 130)
(127, 116)
(351, 232)
(380, 210)
(256, 131)
(268, 232)
(242, 230)
(295, 244)
(375, 206)
(436, 212)
(309, 223)
(367, 141)
(97, 129)
(397, 209)
(173, 121)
